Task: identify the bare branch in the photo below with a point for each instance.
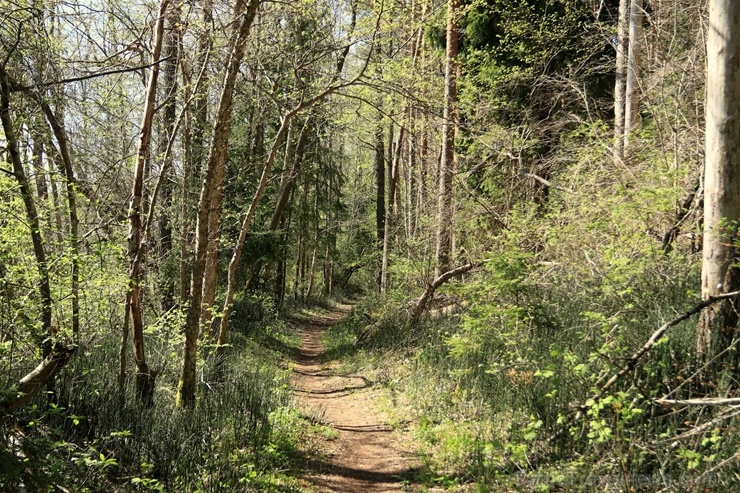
(632, 362)
(707, 401)
(18, 87)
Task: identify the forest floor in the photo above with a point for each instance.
(367, 455)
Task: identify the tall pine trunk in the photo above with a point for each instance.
(446, 168)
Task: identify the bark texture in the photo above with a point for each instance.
(722, 175)
(136, 248)
(632, 91)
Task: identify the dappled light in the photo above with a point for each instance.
(393, 246)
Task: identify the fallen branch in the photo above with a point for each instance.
(33, 382)
(421, 305)
(698, 430)
(417, 308)
(707, 401)
(632, 362)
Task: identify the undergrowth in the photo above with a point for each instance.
(486, 387)
(243, 435)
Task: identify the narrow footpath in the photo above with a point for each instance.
(368, 455)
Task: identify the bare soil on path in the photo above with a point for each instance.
(368, 455)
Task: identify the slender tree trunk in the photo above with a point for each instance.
(330, 238)
(195, 149)
(223, 331)
(144, 377)
(444, 209)
(171, 51)
(380, 193)
(379, 170)
(214, 236)
(63, 160)
(67, 171)
(632, 94)
(243, 17)
(37, 151)
(412, 179)
(423, 167)
(34, 224)
(187, 173)
(282, 264)
(303, 242)
(312, 267)
(390, 213)
(720, 273)
(620, 86)
(292, 162)
(282, 267)
(57, 215)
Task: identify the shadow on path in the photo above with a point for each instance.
(368, 455)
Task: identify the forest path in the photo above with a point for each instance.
(368, 455)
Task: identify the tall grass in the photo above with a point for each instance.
(235, 439)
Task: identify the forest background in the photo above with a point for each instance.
(517, 194)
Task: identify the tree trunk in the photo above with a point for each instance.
(380, 193)
(331, 238)
(32, 383)
(282, 264)
(633, 73)
(446, 169)
(411, 177)
(144, 377)
(390, 213)
(63, 161)
(210, 274)
(65, 168)
(223, 331)
(721, 178)
(37, 134)
(620, 85)
(243, 16)
(11, 144)
(195, 149)
(171, 51)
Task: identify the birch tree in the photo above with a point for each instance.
(632, 88)
(620, 85)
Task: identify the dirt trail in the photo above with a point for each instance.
(368, 455)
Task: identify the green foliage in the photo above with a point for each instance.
(237, 437)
